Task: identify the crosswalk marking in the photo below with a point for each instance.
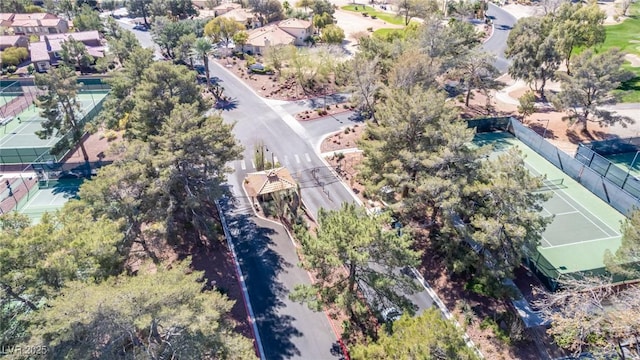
(275, 160)
(243, 166)
(297, 158)
(308, 157)
(286, 160)
(253, 164)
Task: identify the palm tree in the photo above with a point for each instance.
(202, 48)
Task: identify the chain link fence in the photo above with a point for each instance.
(593, 171)
(614, 185)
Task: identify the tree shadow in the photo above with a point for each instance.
(226, 104)
(316, 177)
(261, 265)
(67, 187)
(541, 129)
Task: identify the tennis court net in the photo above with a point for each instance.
(550, 185)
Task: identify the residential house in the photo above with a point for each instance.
(243, 16)
(301, 29)
(7, 41)
(47, 52)
(286, 32)
(5, 23)
(225, 8)
(261, 38)
(33, 24)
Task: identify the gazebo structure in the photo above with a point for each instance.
(262, 183)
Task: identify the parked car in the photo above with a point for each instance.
(140, 27)
(390, 314)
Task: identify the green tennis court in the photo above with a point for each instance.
(18, 141)
(625, 161)
(583, 226)
(49, 199)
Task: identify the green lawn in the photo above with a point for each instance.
(383, 33)
(385, 16)
(626, 37)
(631, 89)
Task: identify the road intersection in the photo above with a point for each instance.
(267, 256)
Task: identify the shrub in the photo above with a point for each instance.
(14, 55)
(347, 130)
(489, 323)
(11, 69)
(250, 60)
(111, 135)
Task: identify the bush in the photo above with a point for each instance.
(250, 60)
(111, 135)
(11, 69)
(489, 323)
(14, 55)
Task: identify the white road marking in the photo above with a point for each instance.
(243, 166)
(297, 158)
(308, 157)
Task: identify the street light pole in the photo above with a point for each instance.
(261, 152)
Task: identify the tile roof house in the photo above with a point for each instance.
(243, 16)
(286, 32)
(7, 41)
(36, 23)
(301, 29)
(225, 8)
(47, 52)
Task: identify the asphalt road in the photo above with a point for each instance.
(144, 37)
(503, 22)
(267, 257)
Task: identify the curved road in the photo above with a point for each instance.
(497, 43)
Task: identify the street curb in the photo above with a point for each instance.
(243, 285)
(326, 163)
(341, 151)
(445, 311)
(493, 26)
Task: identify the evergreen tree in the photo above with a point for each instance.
(162, 87)
(156, 314)
(590, 87)
(533, 52)
(353, 252)
(60, 107)
(428, 336)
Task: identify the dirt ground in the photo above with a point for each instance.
(268, 86)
